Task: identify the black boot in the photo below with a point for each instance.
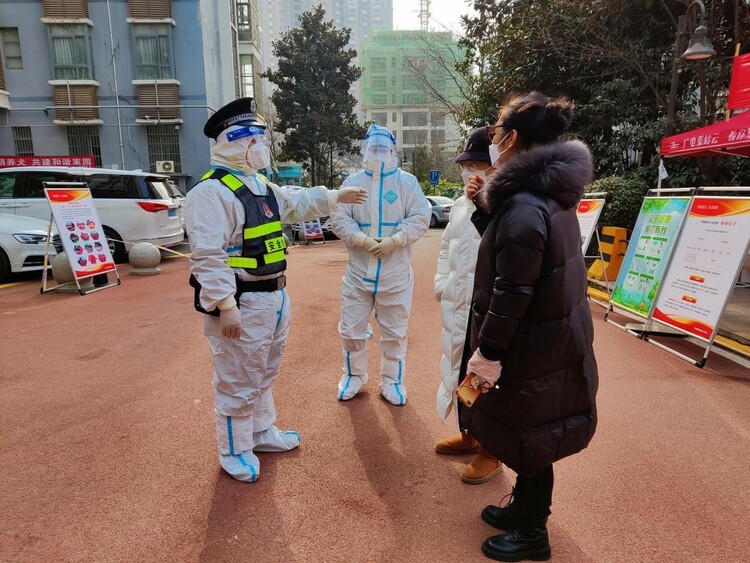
(528, 539)
(505, 517)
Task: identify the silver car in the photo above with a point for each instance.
(441, 208)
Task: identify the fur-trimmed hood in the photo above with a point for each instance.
(559, 170)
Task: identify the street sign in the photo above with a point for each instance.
(434, 177)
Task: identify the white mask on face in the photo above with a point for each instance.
(466, 173)
(258, 156)
(495, 151)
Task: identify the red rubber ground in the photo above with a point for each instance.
(107, 446)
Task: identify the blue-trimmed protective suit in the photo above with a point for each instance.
(396, 207)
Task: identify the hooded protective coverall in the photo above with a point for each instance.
(244, 368)
(453, 287)
(398, 214)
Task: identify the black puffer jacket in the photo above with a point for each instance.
(530, 311)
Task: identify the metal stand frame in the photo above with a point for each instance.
(44, 289)
(602, 195)
(648, 327)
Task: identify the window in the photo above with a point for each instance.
(415, 137)
(33, 182)
(413, 99)
(113, 187)
(438, 120)
(83, 140)
(415, 119)
(378, 63)
(394, 117)
(7, 184)
(438, 136)
(163, 144)
(71, 52)
(379, 99)
(380, 119)
(10, 48)
(378, 82)
(244, 20)
(393, 62)
(247, 78)
(411, 82)
(154, 58)
(22, 141)
(394, 81)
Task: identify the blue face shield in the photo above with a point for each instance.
(257, 133)
(379, 146)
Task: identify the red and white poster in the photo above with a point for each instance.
(80, 229)
(313, 230)
(88, 161)
(589, 211)
(701, 277)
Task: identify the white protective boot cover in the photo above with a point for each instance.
(274, 440)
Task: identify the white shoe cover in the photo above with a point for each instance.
(350, 385)
(273, 440)
(394, 393)
(243, 467)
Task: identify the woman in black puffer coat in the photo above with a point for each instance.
(530, 332)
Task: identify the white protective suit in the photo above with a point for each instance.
(453, 287)
(245, 368)
(396, 207)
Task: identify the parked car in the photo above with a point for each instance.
(133, 206)
(22, 243)
(441, 208)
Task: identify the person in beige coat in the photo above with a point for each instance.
(453, 285)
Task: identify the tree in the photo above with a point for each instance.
(613, 58)
(313, 104)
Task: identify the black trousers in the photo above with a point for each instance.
(535, 493)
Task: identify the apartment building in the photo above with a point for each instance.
(403, 83)
(130, 82)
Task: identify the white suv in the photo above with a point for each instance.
(133, 206)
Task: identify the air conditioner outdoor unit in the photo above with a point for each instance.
(165, 166)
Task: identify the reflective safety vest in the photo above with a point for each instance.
(263, 244)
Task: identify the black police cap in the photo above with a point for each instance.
(242, 111)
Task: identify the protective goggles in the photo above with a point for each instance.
(249, 131)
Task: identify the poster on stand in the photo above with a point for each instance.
(313, 230)
(707, 258)
(80, 229)
(648, 252)
(589, 211)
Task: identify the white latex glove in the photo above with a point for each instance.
(352, 195)
(488, 371)
(230, 321)
(364, 241)
(385, 246)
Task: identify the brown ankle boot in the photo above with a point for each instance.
(460, 444)
(482, 468)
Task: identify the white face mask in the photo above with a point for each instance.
(258, 156)
(495, 151)
(466, 173)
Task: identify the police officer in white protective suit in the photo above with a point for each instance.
(233, 218)
(379, 276)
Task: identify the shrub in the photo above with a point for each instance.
(624, 198)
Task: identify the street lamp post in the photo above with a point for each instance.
(698, 50)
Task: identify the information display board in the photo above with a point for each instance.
(707, 258)
(589, 211)
(313, 230)
(648, 253)
(80, 229)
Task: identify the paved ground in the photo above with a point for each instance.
(107, 449)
